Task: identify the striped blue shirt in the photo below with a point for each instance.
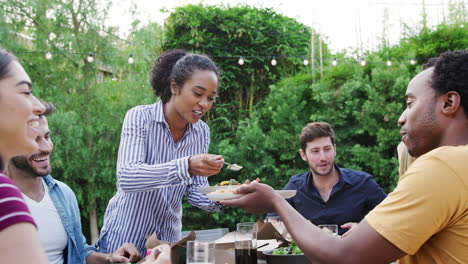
(152, 178)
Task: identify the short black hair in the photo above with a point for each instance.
(177, 65)
(451, 74)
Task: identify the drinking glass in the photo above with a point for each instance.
(332, 229)
(199, 252)
(246, 243)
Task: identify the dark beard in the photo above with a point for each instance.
(21, 163)
(315, 172)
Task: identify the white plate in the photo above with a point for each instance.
(222, 196)
(209, 191)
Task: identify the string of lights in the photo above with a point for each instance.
(90, 57)
(302, 30)
(52, 37)
(241, 58)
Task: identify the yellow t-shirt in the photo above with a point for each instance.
(426, 216)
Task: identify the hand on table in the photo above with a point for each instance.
(349, 225)
(259, 198)
(205, 164)
(125, 254)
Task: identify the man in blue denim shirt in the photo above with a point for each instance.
(55, 209)
(327, 194)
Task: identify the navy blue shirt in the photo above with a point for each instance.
(355, 194)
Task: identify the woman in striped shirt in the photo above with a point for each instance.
(19, 115)
(163, 154)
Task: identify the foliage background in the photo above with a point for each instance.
(261, 110)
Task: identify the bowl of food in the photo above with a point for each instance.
(290, 255)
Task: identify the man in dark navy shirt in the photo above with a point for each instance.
(327, 194)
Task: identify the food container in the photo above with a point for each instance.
(283, 259)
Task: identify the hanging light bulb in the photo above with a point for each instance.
(363, 62)
(412, 61)
(306, 62)
(462, 26)
(90, 58)
(52, 36)
(130, 59)
(50, 13)
(241, 61)
(273, 61)
(334, 62)
(389, 63)
(48, 55)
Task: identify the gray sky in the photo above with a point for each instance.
(346, 23)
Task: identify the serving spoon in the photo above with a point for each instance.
(233, 167)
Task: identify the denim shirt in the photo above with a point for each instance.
(67, 207)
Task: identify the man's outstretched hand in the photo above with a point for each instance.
(259, 198)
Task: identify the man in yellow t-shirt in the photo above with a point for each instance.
(425, 219)
(426, 216)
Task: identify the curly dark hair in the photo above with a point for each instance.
(177, 65)
(451, 74)
(316, 130)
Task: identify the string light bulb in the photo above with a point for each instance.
(50, 14)
(389, 63)
(412, 62)
(241, 61)
(90, 58)
(130, 59)
(273, 61)
(48, 55)
(334, 62)
(363, 62)
(52, 36)
(305, 62)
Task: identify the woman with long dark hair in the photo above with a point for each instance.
(19, 119)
